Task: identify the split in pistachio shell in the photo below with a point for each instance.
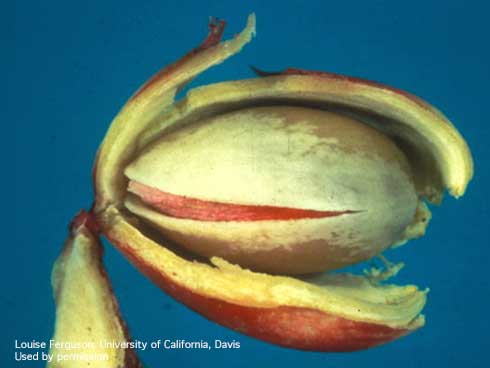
(288, 173)
(87, 311)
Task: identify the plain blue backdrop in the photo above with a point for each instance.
(69, 66)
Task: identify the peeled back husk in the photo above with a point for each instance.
(338, 313)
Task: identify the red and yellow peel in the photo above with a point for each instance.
(263, 306)
(86, 308)
(327, 313)
(291, 327)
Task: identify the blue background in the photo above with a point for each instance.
(69, 67)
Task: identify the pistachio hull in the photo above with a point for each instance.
(329, 313)
(86, 308)
(245, 306)
(291, 327)
(297, 328)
